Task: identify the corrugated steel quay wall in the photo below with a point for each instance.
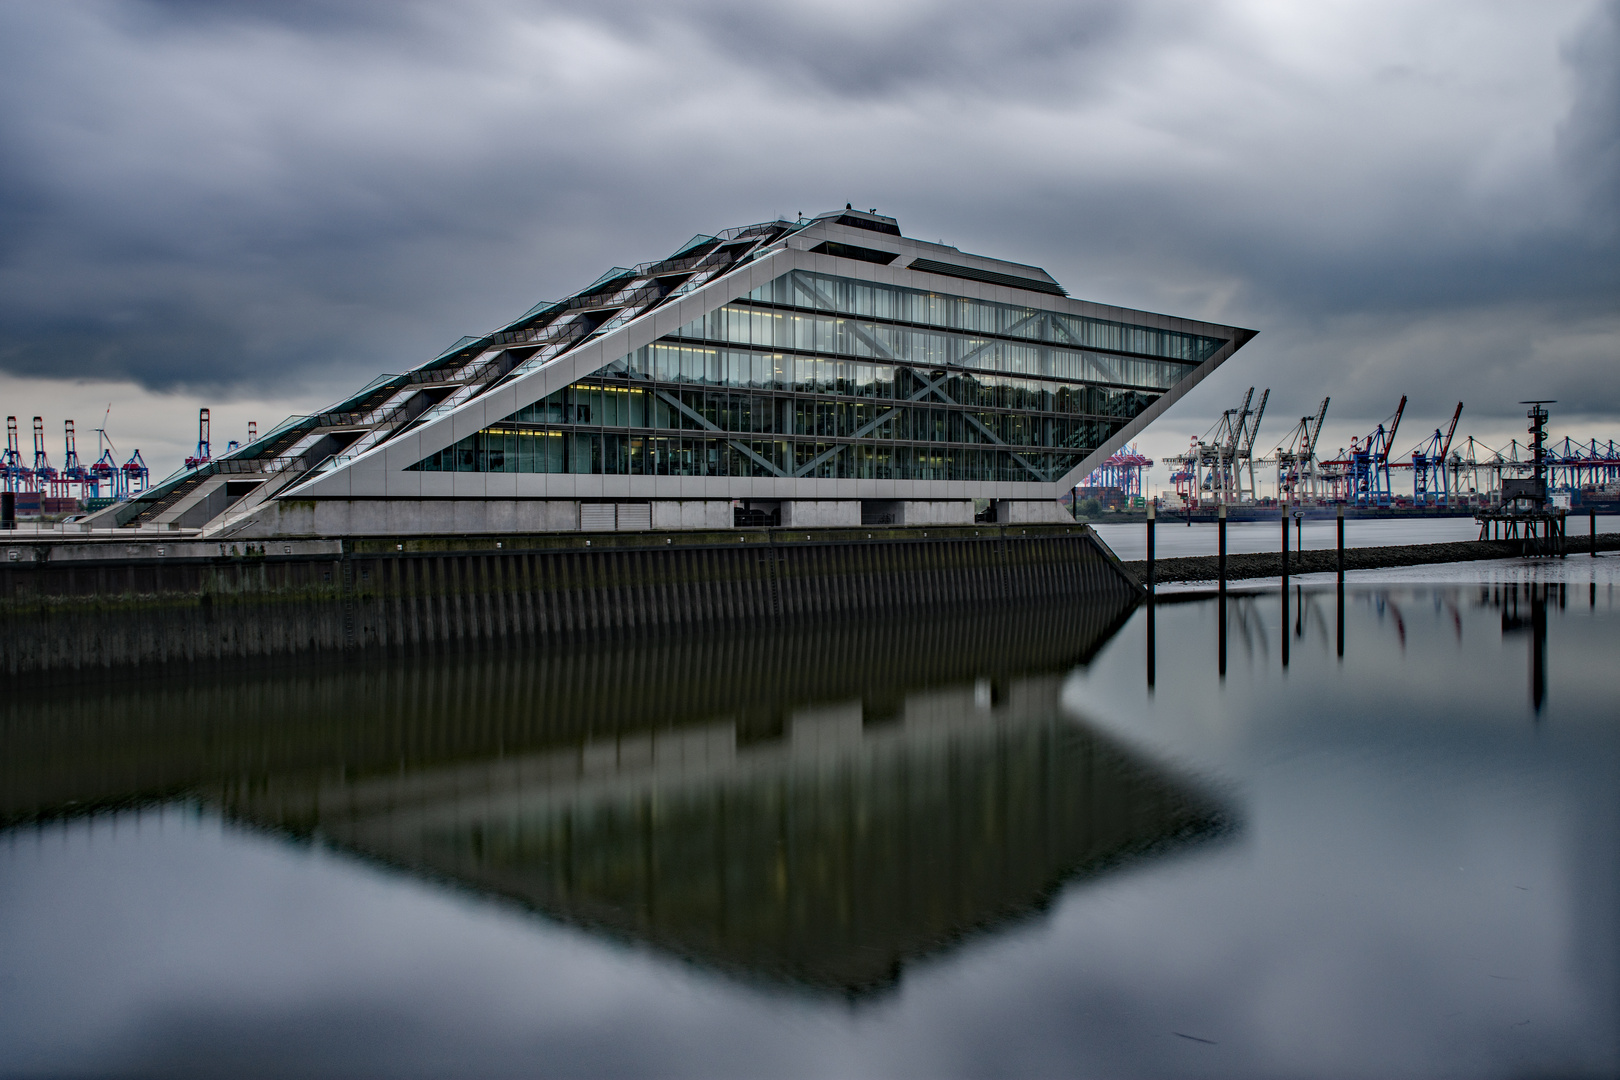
(80, 607)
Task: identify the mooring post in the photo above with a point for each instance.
(1591, 527)
(1150, 548)
(1341, 543)
(1285, 548)
(1220, 532)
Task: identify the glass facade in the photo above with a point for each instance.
(816, 376)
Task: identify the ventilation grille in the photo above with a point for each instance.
(615, 517)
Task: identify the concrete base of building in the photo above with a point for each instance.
(1031, 512)
(469, 517)
(917, 512)
(449, 517)
(819, 513)
(405, 517)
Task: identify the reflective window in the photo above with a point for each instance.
(893, 303)
(971, 391)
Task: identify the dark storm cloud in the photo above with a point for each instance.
(1590, 137)
(876, 51)
(239, 196)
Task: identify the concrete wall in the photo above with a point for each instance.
(912, 512)
(463, 517)
(692, 514)
(820, 514)
(76, 606)
(403, 517)
(460, 517)
(1033, 512)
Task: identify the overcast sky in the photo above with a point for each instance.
(258, 207)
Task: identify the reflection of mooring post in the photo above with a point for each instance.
(1341, 582)
(1152, 646)
(1152, 640)
(1220, 532)
(1341, 619)
(1538, 646)
(1285, 633)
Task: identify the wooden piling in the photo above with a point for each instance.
(1341, 543)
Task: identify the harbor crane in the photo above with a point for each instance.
(1367, 467)
(1246, 451)
(1298, 472)
(1216, 463)
(45, 475)
(74, 472)
(1432, 468)
(204, 452)
(16, 475)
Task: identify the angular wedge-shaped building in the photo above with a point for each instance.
(826, 371)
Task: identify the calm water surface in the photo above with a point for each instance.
(950, 847)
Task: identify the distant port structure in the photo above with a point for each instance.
(1442, 472)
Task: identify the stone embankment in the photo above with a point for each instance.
(1319, 560)
(76, 607)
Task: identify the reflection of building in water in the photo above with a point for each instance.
(827, 857)
(811, 806)
(110, 743)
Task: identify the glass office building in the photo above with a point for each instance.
(814, 375)
(830, 362)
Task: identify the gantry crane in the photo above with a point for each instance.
(1298, 472)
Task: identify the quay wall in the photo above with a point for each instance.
(83, 606)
